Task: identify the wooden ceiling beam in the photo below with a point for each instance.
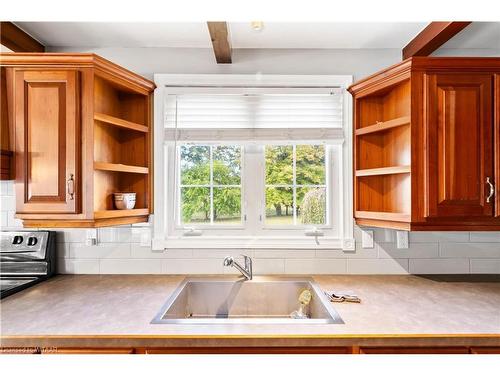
(219, 33)
(432, 37)
(17, 40)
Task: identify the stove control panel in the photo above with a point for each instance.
(27, 244)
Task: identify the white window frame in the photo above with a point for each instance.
(165, 238)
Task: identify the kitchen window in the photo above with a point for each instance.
(209, 192)
(252, 162)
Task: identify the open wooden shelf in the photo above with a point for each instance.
(384, 125)
(113, 167)
(382, 157)
(109, 214)
(383, 171)
(115, 121)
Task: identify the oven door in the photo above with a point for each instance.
(12, 285)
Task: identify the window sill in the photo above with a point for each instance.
(218, 242)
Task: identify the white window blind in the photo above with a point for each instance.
(298, 108)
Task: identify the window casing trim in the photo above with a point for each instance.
(163, 239)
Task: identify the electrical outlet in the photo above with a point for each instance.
(402, 239)
(367, 239)
(91, 237)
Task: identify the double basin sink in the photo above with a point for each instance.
(263, 300)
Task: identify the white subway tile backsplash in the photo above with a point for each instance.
(485, 237)
(7, 203)
(12, 222)
(315, 266)
(81, 266)
(268, 266)
(4, 221)
(358, 253)
(377, 266)
(439, 266)
(209, 266)
(469, 250)
(221, 253)
(416, 250)
(114, 234)
(283, 253)
(121, 234)
(71, 235)
(6, 188)
(130, 266)
(138, 251)
(439, 237)
(101, 251)
(490, 266)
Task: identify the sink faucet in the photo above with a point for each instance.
(247, 271)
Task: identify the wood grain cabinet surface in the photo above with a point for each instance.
(47, 141)
(258, 350)
(414, 350)
(82, 129)
(426, 145)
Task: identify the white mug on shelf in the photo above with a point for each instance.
(124, 201)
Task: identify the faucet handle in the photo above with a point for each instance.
(228, 261)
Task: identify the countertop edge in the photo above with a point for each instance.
(255, 341)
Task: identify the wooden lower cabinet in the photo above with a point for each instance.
(87, 351)
(414, 350)
(485, 350)
(260, 350)
(247, 350)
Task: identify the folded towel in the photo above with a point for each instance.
(342, 297)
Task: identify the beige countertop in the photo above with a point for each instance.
(116, 310)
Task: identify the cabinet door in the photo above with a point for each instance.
(459, 140)
(48, 140)
(485, 350)
(496, 142)
(414, 350)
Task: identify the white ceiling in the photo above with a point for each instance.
(294, 35)
(195, 35)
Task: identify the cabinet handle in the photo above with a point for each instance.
(71, 187)
(492, 190)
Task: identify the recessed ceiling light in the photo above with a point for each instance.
(257, 25)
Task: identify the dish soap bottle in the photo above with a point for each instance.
(304, 299)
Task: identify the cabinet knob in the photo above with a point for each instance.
(71, 187)
(492, 190)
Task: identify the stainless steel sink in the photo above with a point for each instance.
(263, 300)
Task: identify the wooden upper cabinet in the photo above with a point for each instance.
(427, 145)
(459, 140)
(82, 130)
(496, 139)
(47, 141)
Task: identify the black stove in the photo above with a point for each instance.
(26, 258)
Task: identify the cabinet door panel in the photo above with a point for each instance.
(496, 142)
(47, 141)
(459, 139)
(414, 350)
